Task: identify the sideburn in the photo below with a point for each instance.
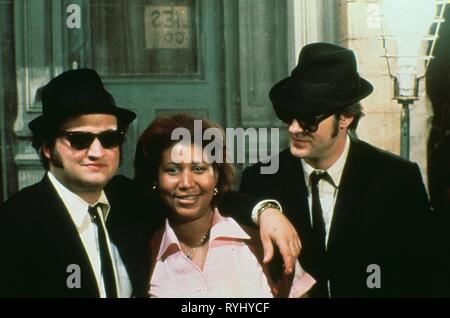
(335, 131)
(55, 159)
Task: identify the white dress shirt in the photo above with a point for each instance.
(328, 187)
(88, 231)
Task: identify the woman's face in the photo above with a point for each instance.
(186, 182)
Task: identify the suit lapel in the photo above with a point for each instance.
(355, 178)
(71, 248)
(295, 193)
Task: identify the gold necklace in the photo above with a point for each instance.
(190, 254)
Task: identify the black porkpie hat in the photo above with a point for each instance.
(73, 93)
(325, 80)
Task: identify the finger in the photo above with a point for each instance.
(294, 252)
(295, 248)
(288, 269)
(299, 245)
(297, 236)
(288, 258)
(268, 249)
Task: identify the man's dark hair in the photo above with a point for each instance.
(356, 111)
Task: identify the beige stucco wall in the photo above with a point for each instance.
(359, 30)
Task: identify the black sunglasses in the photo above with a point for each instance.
(80, 140)
(308, 123)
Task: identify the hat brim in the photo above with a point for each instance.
(284, 102)
(44, 124)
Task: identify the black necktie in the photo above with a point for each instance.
(105, 257)
(318, 229)
(317, 214)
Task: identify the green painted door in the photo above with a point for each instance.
(155, 57)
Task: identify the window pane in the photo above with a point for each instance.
(144, 37)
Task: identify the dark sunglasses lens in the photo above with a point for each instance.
(80, 141)
(111, 139)
(308, 125)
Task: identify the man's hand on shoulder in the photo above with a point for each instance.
(275, 227)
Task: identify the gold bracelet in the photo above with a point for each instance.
(265, 206)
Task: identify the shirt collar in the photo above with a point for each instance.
(223, 227)
(336, 169)
(77, 207)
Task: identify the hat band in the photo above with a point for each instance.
(316, 92)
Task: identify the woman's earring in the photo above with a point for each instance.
(216, 191)
(154, 187)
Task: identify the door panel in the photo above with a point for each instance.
(157, 57)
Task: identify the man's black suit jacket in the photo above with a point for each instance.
(38, 241)
(381, 217)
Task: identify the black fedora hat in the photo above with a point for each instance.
(324, 80)
(73, 93)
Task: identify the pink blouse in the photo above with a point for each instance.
(231, 268)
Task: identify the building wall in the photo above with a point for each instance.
(359, 30)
